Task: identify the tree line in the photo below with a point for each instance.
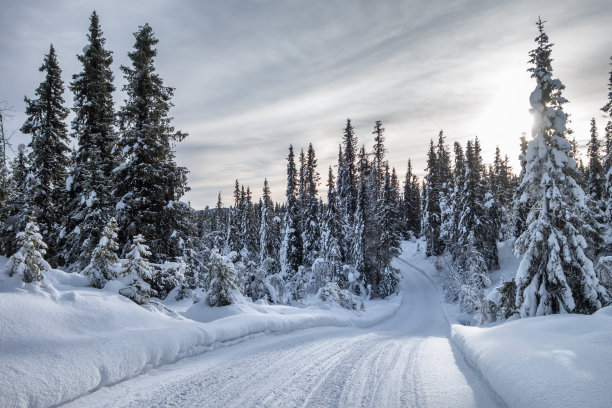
(111, 207)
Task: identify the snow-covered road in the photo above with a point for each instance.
(408, 360)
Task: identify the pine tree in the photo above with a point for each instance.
(378, 154)
(149, 183)
(331, 233)
(16, 209)
(291, 247)
(520, 209)
(595, 183)
(474, 217)
(555, 274)
(29, 260)
(411, 203)
(310, 207)
(220, 280)
(389, 237)
(138, 272)
(49, 156)
(436, 206)
(90, 200)
(347, 175)
(104, 261)
(459, 173)
(607, 165)
(4, 173)
(266, 234)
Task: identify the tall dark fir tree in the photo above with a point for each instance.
(49, 157)
(149, 183)
(90, 201)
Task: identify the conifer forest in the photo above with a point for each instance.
(369, 283)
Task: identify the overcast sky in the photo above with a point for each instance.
(251, 77)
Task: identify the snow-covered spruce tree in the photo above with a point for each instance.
(29, 259)
(607, 165)
(519, 209)
(378, 154)
(16, 208)
(291, 246)
(555, 274)
(104, 264)
(502, 188)
(4, 172)
(311, 233)
(389, 236)
(473, 208)
(445, 178)
(49, 158)
(436, 205)
(266, 234)
(331, 235)
(90, 201)
(221, 280)
(411, 203)
(148, 182)
(357, 279)
(138, 271)
(595, 181)
(347, 183)
(452, 226)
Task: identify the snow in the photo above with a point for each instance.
(63, 341)
(548, 361)
(552, 361)
(60, 339)
(406, 360)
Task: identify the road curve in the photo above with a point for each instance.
(405, 361)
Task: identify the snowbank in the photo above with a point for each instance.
(60, 339)
(551, 361)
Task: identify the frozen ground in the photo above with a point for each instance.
(62, 342)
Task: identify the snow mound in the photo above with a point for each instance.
(550, 361)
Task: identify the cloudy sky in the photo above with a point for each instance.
(251, 77)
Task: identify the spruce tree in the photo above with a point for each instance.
(220, 280)
(347, 175)
(595, 182)
(411, 203)
(104, 261)
(310, 207)
(555, 274)
(291, 247)
(331, 233)
(520, 209)
(149, 183)
(90, 200)
(389, 237)
(459, 173)
(607, 165)
(266, 233)
(16, 209)
(29, 260)
(378, 154)
(49, 158)
(436, 197)
(138, 272)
